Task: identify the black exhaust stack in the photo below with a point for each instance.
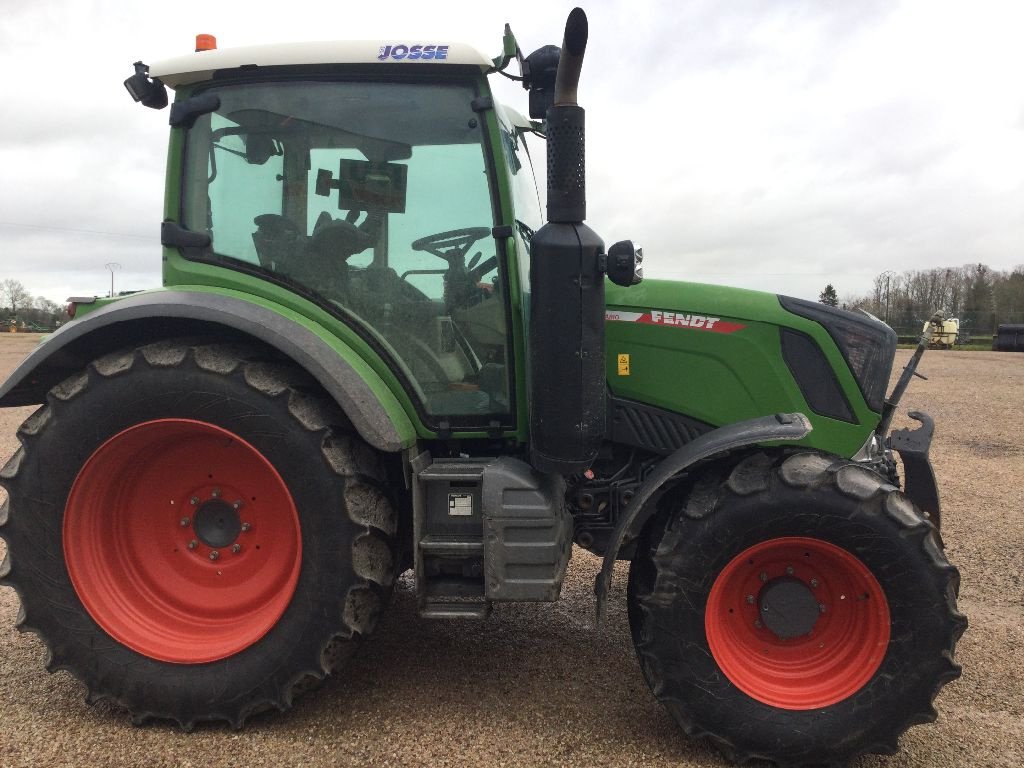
(567, 359)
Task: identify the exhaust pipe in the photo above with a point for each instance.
(567, 356)
(567, 179)
(570, 63)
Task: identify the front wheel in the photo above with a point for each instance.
(195, 531)
(801, 611)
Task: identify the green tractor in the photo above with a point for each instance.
(371, 354)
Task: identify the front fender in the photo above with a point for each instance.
(359, 391)
(781, 426)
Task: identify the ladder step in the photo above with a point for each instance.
(453, 470)
(455, 610)
(455, 547)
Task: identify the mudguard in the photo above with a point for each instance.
(374, 411)
(781, 426)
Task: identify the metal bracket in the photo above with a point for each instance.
(919, 477)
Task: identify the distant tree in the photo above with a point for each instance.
(14, 294)
(42, 314)
(1009, 296)
(979, 299)
(829, 296)
(44, 304)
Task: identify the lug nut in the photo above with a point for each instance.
(237, 504)
(814, 583)
(215, 493)
(214, 555)
(789, 570)
(750, 599)
(184, 522)
(193, 544)
(246, 527)
(763, 576)
(821, 607)
(236, 548)
(757, 624)
(194, 500)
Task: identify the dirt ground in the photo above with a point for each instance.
(539, 684)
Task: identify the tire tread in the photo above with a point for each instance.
(373, 543)
(803, 470)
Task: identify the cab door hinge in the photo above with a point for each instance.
(482, 103)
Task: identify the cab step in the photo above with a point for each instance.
(432, 610)
(486, 529)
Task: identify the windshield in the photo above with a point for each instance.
(376, 198)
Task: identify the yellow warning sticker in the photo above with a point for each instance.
(623, 365)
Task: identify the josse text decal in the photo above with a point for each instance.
(413, 52)
(675, 319)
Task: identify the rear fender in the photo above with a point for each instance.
(359, 391)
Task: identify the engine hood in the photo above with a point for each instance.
(694, 298)
(719, 355)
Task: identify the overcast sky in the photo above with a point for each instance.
(775, 145)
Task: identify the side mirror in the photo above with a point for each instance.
(625, 263)
(151, 92)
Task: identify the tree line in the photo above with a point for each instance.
(22, 307)
(981, 297)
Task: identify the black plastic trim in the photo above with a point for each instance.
(654, 429)
(482, 104)
(173, 235)
(184, 113)
(815, 377)
(871, 375)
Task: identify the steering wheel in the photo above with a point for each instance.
(453, 245)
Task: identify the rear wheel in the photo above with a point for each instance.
(801, 611)
(195, 533)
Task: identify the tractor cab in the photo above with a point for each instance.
(372, 191)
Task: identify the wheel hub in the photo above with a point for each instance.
(151, 541)
(788, 608)
(797, 622)
(217, 524)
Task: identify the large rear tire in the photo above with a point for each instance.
(801, 611)
(196, 533)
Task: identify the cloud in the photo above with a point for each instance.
(769, 145)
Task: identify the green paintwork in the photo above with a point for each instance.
(721, 378)
(182, 274)
(81, 310)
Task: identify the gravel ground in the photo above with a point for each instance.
(539, 684)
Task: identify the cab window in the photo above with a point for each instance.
(374, 198)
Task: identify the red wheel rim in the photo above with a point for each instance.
(182, 541)
(844, 643)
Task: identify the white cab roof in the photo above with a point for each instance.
(193, 67)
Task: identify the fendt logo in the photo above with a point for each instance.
(675, 319)
(413, 52)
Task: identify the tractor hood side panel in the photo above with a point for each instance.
(715, 354)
